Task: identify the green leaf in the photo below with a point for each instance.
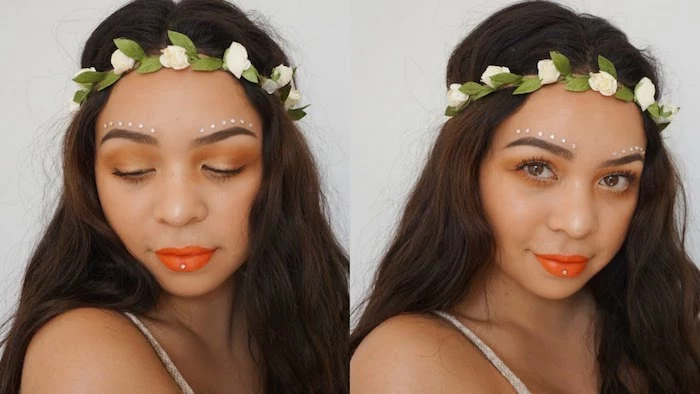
(90, 77)
(130, 48)
(607, 66)
(654, 110)
(149, 65)
(251, 74)
(451, 111)
(109, 79)
(80, 96)
(561, 62)
(191, 59)
(207, 64)
(483, 93)
(528, 85)
(472, 88)
(182, 40)
(284, 92)
(578, 84)
(662, 126)
(223, 66)
(625, 93)
(506, 78)
(297, 113)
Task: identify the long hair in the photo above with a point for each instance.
(647, 295)
(295, 281)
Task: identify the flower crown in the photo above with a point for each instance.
(558, 69)
(181, 55)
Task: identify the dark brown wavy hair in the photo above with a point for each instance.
(296, 274)
(647, 296)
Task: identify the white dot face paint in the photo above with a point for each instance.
(551, 136)
(201, 130)
(633, 149)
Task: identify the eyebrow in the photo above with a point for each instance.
(567, 154)
(204, 140)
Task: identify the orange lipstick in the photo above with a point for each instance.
(562, 266)
(187, 259)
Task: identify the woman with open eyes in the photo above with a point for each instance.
(541, 249)
(189, 251)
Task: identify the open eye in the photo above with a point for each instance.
(534, 169)
(613, 181)
(540, 170)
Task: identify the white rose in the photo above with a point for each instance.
(603, 82)
(491, 71)
(73, 106)
(121, 63)
(455, 98)
(667, 109)
(547, 71)
(282, 75)
(174, 57)
(236, 59)
(82, 70)
(269, 86)
(644, 93)
(292, 99)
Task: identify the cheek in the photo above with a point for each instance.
(124, 211)
(512, 212)
(231, 210)
(614, 226)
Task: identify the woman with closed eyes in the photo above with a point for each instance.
(541, 250)
(189, 251)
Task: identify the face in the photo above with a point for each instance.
(561, 182)
(178, 164)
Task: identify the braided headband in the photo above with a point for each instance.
(558, 69)
(183, 54)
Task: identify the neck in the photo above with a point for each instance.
(212, 320)
(495, 298)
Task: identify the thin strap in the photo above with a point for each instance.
(493, 358)
(169, 365)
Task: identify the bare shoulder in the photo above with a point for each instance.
(92, 350)
(416, 354)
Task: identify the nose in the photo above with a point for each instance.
(179, 202)
(573, 210)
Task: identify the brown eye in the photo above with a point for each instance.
(535, 169)
(611, 180)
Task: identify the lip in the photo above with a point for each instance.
(562, 266)
(187, 259)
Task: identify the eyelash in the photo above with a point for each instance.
(137, 177)
(630, 175)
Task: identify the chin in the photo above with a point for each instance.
(554, 288)
(198, 283)
(191, 286)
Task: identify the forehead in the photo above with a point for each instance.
(594, 123)
(177, 103)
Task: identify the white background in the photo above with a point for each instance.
(41, 45)
(373, 72)
(399, 54)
